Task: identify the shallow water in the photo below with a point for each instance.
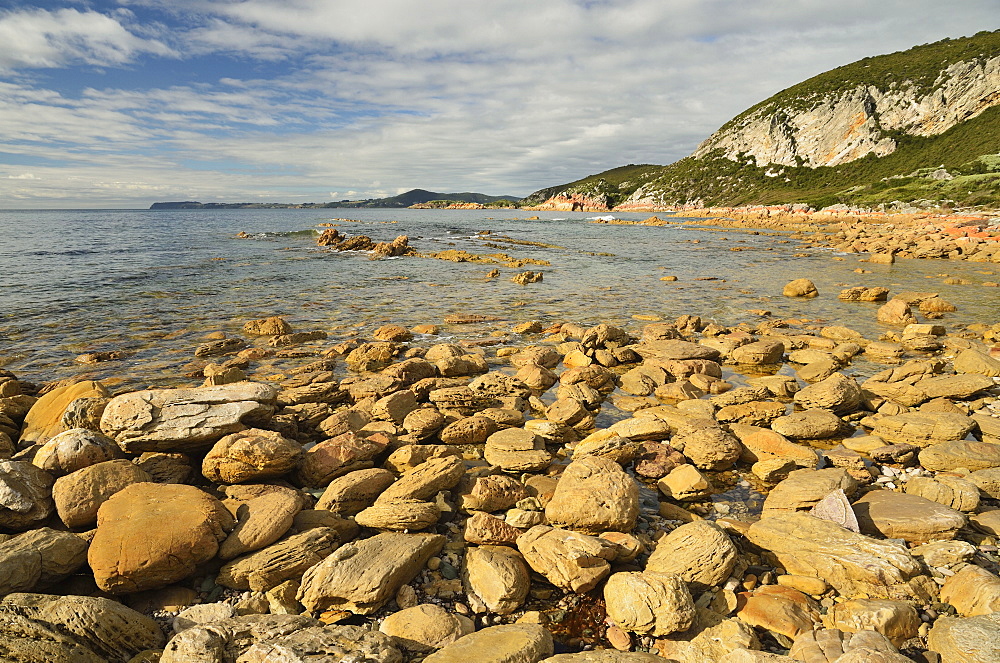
(154, 283)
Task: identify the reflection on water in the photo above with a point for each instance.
(153, 283)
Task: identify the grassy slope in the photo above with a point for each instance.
(868, 181)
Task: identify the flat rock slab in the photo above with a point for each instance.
(361, 576)
(966, 454)
(509, 643)
(905, 516)
(857, 566)
(185, 419)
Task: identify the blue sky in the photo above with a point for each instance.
(120, 103)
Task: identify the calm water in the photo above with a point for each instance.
(154, 283)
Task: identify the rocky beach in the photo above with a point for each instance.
(487, 487)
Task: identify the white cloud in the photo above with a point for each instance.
(450, 95)
(41, 38)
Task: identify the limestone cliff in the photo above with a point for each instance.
(832, 128)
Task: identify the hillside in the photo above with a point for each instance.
(919, 126)
(420, 196)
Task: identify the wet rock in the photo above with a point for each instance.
(649, 602)
(272, 326)
(513, 643)
(260, 522)
(251, 455)
(185, 419)
(594, 495)
(864, 294)
(895, 312)
(150, 535)
(39, 558)
(854, 564)
(496, 579)
(574, 562)
(424, 628)
(220, 347)
(25, 495)
(79, 495)
(800, 288)
(905, 516)
(284, 560)
(700, 553)
(371, 356)
(361, 576)
(75, 449)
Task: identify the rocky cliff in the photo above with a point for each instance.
(828, 129)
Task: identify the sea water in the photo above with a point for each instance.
(154, 283)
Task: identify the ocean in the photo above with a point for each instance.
(153, 283)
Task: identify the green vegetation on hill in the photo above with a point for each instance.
(912, 173)
(419, 197)
(919, 67)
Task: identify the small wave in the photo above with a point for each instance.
(562, 218)
(609, 217)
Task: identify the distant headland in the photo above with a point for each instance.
(414, 197)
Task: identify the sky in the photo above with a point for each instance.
(121, 103)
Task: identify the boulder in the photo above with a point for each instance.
(594, 495)
(829, 645)
(185, 419)
(709, 448)
(969, 455)
(337, 456)
(270, 638)
(426, 480)
(804, 488)
(837, 393)
(426, 627)
(285, 560)
(649, 602)
(400, 514)
(150, 535)
(896, 620)
(517, 450)
(508, 643)
(107, 629)
(272, 326)
(260, 522)
(75, 449)
(79, 495)
(569, 560)
(25, 495)
(700, 553)
(44, 420)
(953, 492)
(782, 610)
(809, 425)
(974, 361)
(362, 576)
(857, 566)
(758, 353)
(966, 639)
(923, 428)
(905, 516)
(496, 579)
(350, 493)
(763, 443)
(895, 312)
(800, 288)
(972, 591)
(251, 455)
(39, 558)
